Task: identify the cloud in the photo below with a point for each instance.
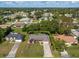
(39, 4)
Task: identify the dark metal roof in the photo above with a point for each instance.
(15, 35)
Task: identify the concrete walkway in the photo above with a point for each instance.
(13, 51)
(47, 50)
(64, 54)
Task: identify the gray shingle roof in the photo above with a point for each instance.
(40, 37)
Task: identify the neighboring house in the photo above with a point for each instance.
(68, 39)
(5, 25)
(19, 25)
(14, 37)
(26, 20)
(68, 15)
(75, 20)
(38, 37)
(47, 16)
(24, 14)
(33, 13)
(75, 32)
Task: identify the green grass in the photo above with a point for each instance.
(35, 20)
(5, 47)
(30, 51)
(73, 51)
(18, 30)
(56, 54)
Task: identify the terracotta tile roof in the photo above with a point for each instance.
(68, 39)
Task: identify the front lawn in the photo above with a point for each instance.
(30, 50)
(5, 48)
(73, 51)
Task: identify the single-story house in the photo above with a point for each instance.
(38, 37)
(19, 25)
(26, 20)
(68, 15)
(68, 39)
(14, 37)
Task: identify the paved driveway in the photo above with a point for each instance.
(47, 50)
(13, 51)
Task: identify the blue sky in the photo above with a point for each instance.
(39, 4)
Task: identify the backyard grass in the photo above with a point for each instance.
(30, 50)
(73, 51)
(5, 47)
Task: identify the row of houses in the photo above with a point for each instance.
(17, 37)
(69, 40)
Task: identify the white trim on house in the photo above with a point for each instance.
(11, 39)
(18, 40)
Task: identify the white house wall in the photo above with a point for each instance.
(18, 40)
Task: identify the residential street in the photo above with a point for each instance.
(13, 51)
(47, 50)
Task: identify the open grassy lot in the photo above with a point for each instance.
(73, 51)
(32, 50)
(5, 47)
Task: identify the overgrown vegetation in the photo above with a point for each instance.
(73, 51)
(5, 48)
(30, 50)
(56, 46)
